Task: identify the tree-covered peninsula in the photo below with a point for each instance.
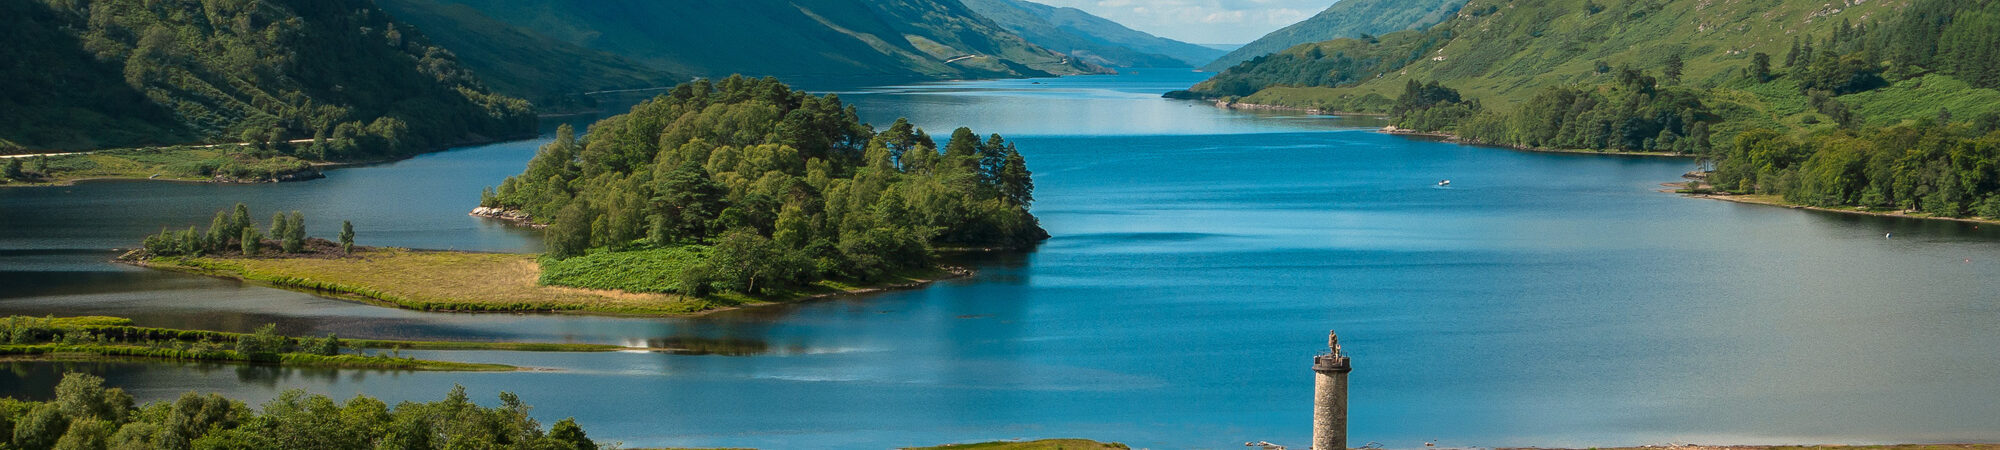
(746, 185)
(712, 196)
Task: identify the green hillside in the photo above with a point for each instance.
(1505, 53)
(518, 62)
(1345, 19)
(817, 40)
(85, 75)
(1091, 38)
(1887, 105)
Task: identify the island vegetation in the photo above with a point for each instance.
(629, 282)
(86, 415)
(233, 232)
(746, 186)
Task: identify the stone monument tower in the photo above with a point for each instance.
(1330, 396)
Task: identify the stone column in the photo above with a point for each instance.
(1330, 397)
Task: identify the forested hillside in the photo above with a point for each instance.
(748, 186)
(1345, 19)
(519, 62)
(816, 40)
(1091, 38)
(1887, 104)
(94, 74)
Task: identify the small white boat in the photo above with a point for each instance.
(1445, 183)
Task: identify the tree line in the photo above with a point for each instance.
(1949, 169)
(784, 186)
(1635, 114)
(86, 415)
(232, 231)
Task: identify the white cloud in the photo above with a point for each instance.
(1201, 21)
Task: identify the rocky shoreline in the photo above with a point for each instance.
(517, 217)
(1226, 104)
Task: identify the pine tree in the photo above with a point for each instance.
(1672, 71)
(346, 237)
(1015, 181)
(219, 232)
(1760, 67)
(295, 233)
(242, 216)
(278, 226)
(13, 171)
(1792, 57)
(250, 242)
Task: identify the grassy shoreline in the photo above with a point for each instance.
(93, 352)
(185, 163)
(1778, 201)
(453, 281)
(1453, 138)
(98, 338)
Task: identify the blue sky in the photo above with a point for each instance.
(1201, 21)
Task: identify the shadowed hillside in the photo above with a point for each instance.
(817, 40)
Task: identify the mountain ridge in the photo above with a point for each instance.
(820, 40)
(1344, 19)
(1096, 39)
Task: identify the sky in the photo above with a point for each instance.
(1201, 21)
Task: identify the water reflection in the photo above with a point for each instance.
(1199, 257)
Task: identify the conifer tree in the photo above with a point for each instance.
(295, 233)
(346, 237)
(250, 242)
(278, 226)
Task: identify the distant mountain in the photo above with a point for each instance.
(1091, 38)
(514, 61)
(813, 40)
(1345, 19)
(115, 73)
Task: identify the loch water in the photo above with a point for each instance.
(1199, 257)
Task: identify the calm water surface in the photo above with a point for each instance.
(1199, 257)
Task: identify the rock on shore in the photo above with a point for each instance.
(510, 215)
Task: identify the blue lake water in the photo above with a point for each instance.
(1200, 255)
